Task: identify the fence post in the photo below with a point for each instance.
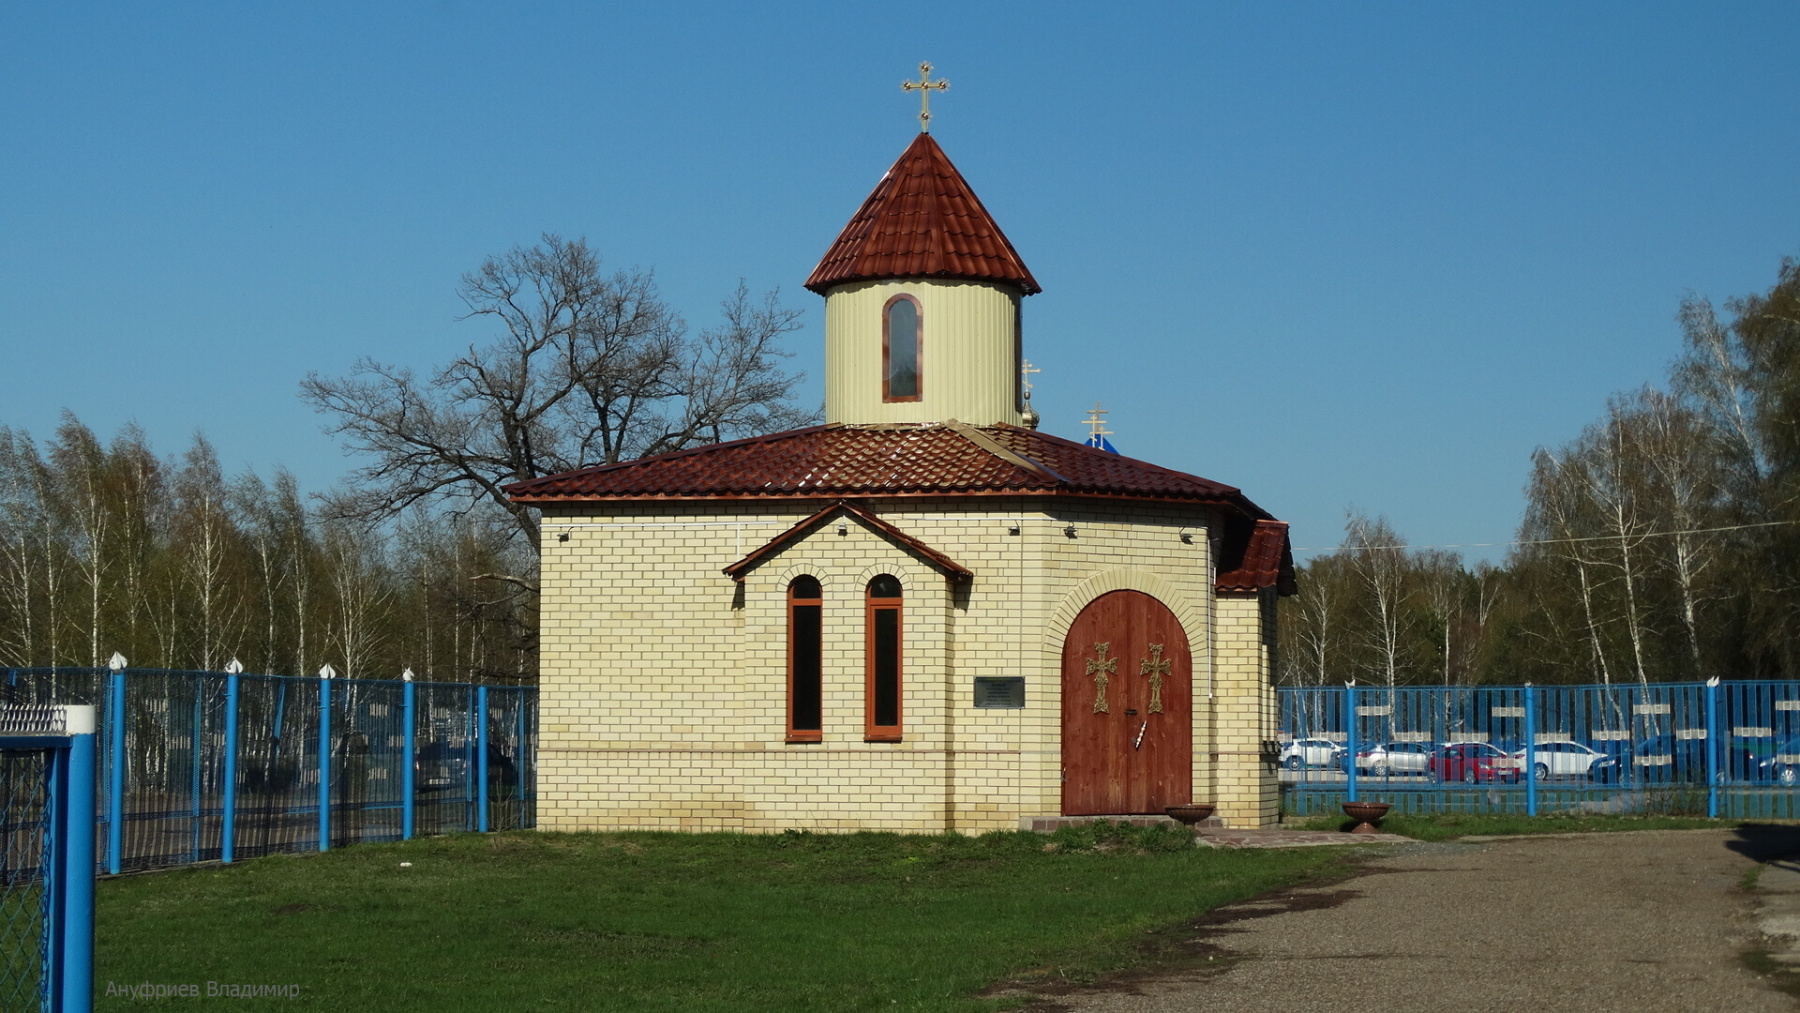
(325, 674)
(518, 696)
(78, 849)
(1713, 747)
(1530, 750)
(408, 703)
(228, 832)
(1350, 738)
(481, 758)
(115, 802)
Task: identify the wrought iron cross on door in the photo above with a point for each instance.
(1101, 668)
(1156, 667)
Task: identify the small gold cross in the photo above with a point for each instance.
(1097, 425)
(925, 86)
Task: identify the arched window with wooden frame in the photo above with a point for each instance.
(885, 660)
(806, 661)
(902, 349)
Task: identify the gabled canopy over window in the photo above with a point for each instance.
(902, 338)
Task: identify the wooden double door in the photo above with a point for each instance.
(1127, 708)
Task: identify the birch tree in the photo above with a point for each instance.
(1375, 554)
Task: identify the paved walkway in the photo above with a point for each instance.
(1634, 922)
(1276, 837)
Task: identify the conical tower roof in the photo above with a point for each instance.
(922, 221)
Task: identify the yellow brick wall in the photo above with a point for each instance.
(664, 683)
(1245, 714)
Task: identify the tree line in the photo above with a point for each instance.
(417, 559)
(1661, 544)
(106, 546)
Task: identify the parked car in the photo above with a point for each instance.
(1560, 759)
(1299, 753)
(1388, 758)
(1782, 765)
(1470, 762)
(440, 766)
(1665, 758)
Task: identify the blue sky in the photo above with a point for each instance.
(1340, 255)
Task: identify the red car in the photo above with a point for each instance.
(1470, 762)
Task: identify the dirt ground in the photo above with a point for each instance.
(1631, 922)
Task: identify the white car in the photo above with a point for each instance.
(1561, 759)
(1311, 753)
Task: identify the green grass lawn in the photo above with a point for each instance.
(673, 922)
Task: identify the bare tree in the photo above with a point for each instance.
(1612, 477)
(1554, 517)
(362, 594)
(21, 524)
(1318, 622)
(1442, 581)
(1682, 455)
(80, 464)
(587, 369)
(205, 534)
(1378, 558)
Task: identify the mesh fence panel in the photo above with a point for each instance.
(444, 724)
(173, 798)
(1677, 748)
(369, 750)
(512, 767)
(277, 766)
(23, 837)
(175, 731)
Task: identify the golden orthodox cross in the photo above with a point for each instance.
(925, 86)
(1097, 425)
(1100, 666)
(1156, 666)
(1025, 373)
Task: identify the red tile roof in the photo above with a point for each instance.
(944, 564)
(1256, 557)
(839, 461)
(922, 221)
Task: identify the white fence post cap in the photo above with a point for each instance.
(327, 672)
(406, 676)
(116, 662)
(234, 667)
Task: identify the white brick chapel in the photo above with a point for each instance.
(923, 614)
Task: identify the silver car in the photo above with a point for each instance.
(1389, 758)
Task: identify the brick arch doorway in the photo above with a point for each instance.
(1127, 708)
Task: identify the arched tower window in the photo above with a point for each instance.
(902, 348)
(882, 647)
(806, 658)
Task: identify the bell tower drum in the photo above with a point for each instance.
(922, 294)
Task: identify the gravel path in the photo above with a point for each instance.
(1631, 922)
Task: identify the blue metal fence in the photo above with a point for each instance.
(219, 766)
(1714, 749)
